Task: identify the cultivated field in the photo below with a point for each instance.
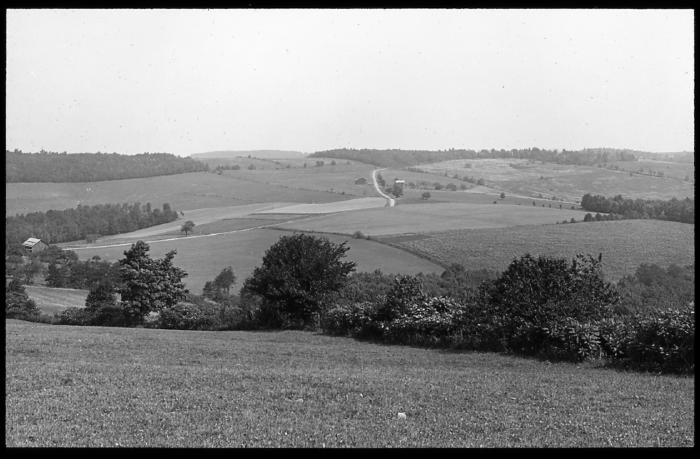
(529, 178)
(55, 300)
(625, 244)
(183, 192)
(90, 386)
(434, 216)
(204, 257)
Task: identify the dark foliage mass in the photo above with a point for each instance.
(655, 288)
(673, 209)
(92, 167)
(149, 285)
(17, 304)
(56, 226)
(404, 158)
(298, 275)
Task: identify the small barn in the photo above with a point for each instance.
(34, 245)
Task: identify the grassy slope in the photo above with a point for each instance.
(625, 244)
(204, 257)
(54, 300)
(91, 386)
(563, 180)
(434, 216)
(183, 192)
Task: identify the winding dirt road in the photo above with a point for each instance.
(391, 202)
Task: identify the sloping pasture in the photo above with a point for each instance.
(205, 256)
(433, 216)
(183, 192)
(55, 300)
(530, 178)
(625, 244)
(119, 387)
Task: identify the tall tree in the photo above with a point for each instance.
(148, 284)
(297, 276)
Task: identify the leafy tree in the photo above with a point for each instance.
(17, 303)
(503, 195)
(225, 279)
(425, 195)
(187, 227)
(299, 274)
(148, 284)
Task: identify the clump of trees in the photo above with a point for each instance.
(297, 279)
(47, 166)
(67, 225)
(673, 209)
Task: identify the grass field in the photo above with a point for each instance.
(434, 216)
(55, 300)
(183, 192)
(204, 257)
(519, 176)
(90, 386)
(625, 244)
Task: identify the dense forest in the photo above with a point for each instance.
(404, 158)
(92, 167)
(673, 209)
(83, 222)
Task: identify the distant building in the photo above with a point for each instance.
(34, 245)
(398, 186)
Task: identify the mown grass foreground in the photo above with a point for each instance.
(93, 386)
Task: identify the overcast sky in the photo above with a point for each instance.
(188, 81)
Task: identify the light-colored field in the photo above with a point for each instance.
(339, 178)
(119, 387)
(625, 244)
(520, 176)
(436, 216)
(183, 192)
(327, 207)
(54, 300)
(204, 257)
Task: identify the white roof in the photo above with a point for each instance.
(31, 241)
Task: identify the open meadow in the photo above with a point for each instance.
(421, 217)
(625, 244)
(91, 386)
(182, 191)
(532, 178)
(203, 257)
(55, 300)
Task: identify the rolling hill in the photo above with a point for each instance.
(265, 154)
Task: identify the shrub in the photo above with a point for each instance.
(108, 315)
(356, 320)
(664, 341)
(185, 316)
(17, 304)
(75, 316)
(358, 235)
(404, 291)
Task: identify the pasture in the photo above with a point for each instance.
(118, 387)
(433, 216)
(625, 244)
(183, 192)
(204, 256)
(55, 300)
(529, 178)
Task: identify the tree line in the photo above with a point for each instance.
(91, 167)
(673, 209)
(404, 158)
(56, 226)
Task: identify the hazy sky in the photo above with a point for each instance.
(188, 81)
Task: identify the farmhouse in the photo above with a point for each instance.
(34, 245)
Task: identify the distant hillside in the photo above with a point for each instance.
(264, 154)
(405, 158)
(677, 157)
(93, 167)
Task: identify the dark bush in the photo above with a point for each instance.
(17, 304)
(186, 316)
(75, 316)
